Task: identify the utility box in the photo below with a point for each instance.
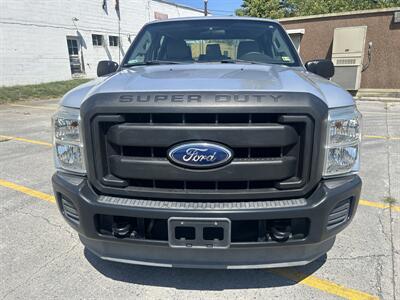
(347, 56)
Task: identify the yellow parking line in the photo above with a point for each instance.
(35, 106)
(26, 140)
(381, 137)
(379, 205)
(323, 285)
(27, 191)
(375, 137)
(308, 280)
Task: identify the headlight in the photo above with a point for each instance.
(342, 150)
(68, 147)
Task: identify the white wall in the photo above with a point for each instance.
(33, 46)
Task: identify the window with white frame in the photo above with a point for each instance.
(296, 35)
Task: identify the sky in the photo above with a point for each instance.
(217, 7)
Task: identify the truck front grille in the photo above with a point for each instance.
(272, 153)
(275, 137)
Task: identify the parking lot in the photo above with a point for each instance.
(41, 256)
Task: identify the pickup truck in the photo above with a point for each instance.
(211, 145)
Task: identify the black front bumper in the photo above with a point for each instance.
(316, 208)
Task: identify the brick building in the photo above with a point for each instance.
(379, 46)
(50, 40)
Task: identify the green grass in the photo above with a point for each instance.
(38, 91)
(389, 200)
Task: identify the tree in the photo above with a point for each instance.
(260, 8)
(276, 9)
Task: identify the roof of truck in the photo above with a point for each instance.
(214, 18)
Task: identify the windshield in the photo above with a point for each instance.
(208, 40)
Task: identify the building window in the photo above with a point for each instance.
(113, 40)
(160, 16)
(296, 35)
(72, 46)
(97, 40)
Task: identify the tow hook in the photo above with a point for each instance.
(121, 230)
(280, 233)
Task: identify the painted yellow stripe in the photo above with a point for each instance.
(36, 106)
(375, 137)
(27, 191)
(26, 140)
(381, 137)
(323, 285)
(379, 205)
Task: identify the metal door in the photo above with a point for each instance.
(74, 55)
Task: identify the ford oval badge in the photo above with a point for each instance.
(200, 155)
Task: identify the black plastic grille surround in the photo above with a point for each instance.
(136, 150)
(273, 152)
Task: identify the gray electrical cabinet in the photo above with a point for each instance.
(347, 56)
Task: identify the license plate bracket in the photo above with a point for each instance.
(206, 233)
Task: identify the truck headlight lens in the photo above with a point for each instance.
(343, 141)
(68, 147)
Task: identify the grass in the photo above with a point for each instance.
(49, 90)
(389, 200)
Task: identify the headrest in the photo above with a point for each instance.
(178, 50)
(213, 50)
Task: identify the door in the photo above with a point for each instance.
(347, 56)
(74, 55)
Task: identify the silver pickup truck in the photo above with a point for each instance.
(211, 145)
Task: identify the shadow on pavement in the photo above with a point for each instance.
(200, 279)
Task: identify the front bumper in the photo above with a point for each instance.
(316, 208)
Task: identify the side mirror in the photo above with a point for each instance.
(321, 67)
(106, 67)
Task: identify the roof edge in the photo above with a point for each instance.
(192, 18)
(179, 5)
(347, 13)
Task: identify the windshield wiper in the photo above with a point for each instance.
(152, 63)
(234, 61)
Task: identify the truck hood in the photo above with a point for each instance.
(212, 77)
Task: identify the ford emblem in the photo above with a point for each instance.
(200, 155)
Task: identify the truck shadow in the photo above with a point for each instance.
(199, 279)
